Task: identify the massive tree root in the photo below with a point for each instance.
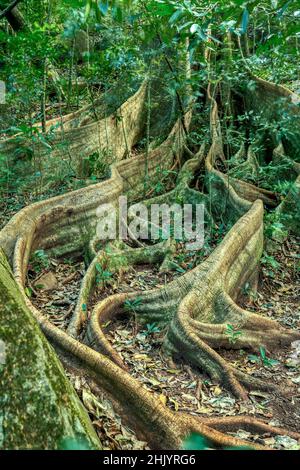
(195, 307)
(200, 305)
(69, 141)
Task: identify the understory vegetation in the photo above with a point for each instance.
(145, 342)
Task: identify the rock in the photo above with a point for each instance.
(241, 434)
(286, 442)
(275, 422)
(293, 363)
(46, 282)
(270, 441)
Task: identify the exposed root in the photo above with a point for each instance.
(74, 141)
(163, 428)
(198, 326)
(113, 259)
(196, 308)
(253, 425)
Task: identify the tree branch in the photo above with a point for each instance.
(8, 9)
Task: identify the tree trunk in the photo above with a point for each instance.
(39, 408)
(16, 19)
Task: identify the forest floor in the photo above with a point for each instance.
(179, 386)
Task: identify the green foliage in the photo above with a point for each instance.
(233, 333)
(270, 264)
(97, 165)
(151, 329)
(6, 175)
(103, 276)
(274, 227)
(266, 361)
(39, 261)
(161, 180)
(131, 305)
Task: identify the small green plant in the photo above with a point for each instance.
(97, 165)
(284, 187)
(233, 333)
(266, 361)
(39, 261)
(103, 277)
(131, 305)
(151, 329)
(162, 180)
(270, 264)
(5, 176)
(274, 228)
(28, 292)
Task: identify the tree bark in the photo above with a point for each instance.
(39, 408)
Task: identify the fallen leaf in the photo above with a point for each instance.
(163, 398)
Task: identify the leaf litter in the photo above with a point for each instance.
(178, 385)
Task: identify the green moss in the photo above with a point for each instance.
(39, 408)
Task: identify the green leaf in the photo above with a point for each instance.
(196, 442)
(75, 3)
(253, 358)
(98, 267)
(28, 292)
(283, 9)
(88, 8)
(271, 362)
(103, 7)
(194, 28)
(117, 14)
(175, 16)
(245, 21)
(262, 352)
(160, 9)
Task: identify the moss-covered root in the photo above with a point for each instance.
(39, 408)
(198, 307)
